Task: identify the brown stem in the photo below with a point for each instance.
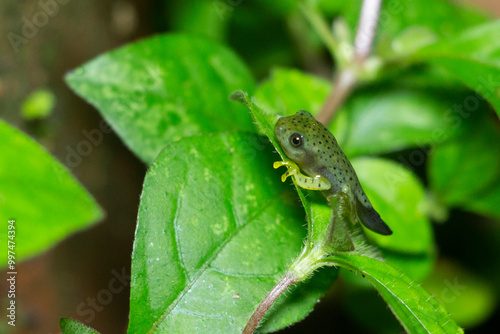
(271, 297)
(347, 78)
(342, 87)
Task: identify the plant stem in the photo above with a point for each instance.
(343, 85)
(271, 297)
(367, 27)
(347, 77)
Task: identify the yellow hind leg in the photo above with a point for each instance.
(317, 182)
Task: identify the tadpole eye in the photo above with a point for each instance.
(296, 139)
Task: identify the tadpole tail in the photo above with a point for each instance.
(371, 219)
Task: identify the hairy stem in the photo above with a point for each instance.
(347, 77)
(271, 297)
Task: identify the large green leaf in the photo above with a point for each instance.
(216, 230)
(45, 200)
(473, 56)
(371, 121)
(415, 308)
(70, 326)
(391, 120)
(398, 196)
(164, 88)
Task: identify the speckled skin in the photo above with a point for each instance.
(320, 154)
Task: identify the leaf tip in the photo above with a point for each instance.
(239, 96)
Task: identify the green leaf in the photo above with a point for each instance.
(159, 90)
(216, 230)
(408, 118)
(462, 171)
(277, 7)
(393, 119)
(70, 326)
(289, 90)
(415, 308)
(473, 57)
(486, 201)
(417, 266)
(398, 196)
(207, 18)
(45, 200)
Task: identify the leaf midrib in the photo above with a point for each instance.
(203, 268)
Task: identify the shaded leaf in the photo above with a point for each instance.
(288, 91)
(486, 202)
(473, 57)
(164, 88)
(277, 7)
(397, 195)
(394, 119)
(462, 171)
(36, 191)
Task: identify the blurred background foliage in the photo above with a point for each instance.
(270, 36)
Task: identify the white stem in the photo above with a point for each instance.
(367, 27)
